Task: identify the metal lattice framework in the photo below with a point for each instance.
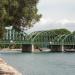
(69, 39)
(13, 36)
(43, 38)
(50, 37)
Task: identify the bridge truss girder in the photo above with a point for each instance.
(40, 38)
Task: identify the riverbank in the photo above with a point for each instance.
(6, 69)
(8, 49)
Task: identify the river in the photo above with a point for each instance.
(41, 63)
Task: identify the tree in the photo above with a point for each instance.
(73, 32)
(61, 31)
(1, 32)
(19, 12)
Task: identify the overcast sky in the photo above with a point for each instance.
(56, 14)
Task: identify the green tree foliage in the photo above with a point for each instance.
(1, 32)
(61, 31)
(19, 12)
(73, 32)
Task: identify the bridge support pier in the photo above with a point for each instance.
(62, 48)
(27, 48)
(69, 48)
(57, 48)
(33, 48)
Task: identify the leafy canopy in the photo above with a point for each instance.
(62, 31)
(19, 12)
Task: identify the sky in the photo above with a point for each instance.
(56, 14)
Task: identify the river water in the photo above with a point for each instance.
(41, 63)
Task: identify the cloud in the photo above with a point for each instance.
(47, 24)
(57, 9)
(56, 14)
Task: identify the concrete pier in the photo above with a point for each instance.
(33, 48)
(53, 48)
(69, 48)
(26, 47)
(62, 48)
(57, 48)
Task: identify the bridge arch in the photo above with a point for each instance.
(44, 37)
(69, 39)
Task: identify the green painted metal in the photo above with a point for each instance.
(41, 38)
(13, 36)
(49, 37)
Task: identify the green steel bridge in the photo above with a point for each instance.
(41, 39)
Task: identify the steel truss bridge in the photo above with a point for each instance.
(39, 37)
